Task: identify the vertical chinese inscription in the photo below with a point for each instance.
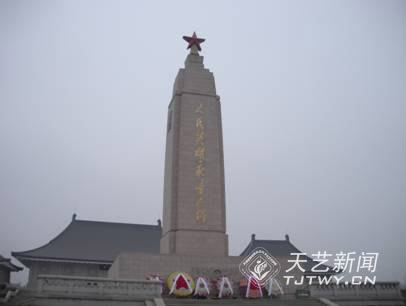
(200, 149)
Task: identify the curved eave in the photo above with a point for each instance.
(12, 267)
(25, 258)
(26, 253)
(246, 248)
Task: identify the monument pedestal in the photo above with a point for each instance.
(140, 265)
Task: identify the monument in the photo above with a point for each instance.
(194, 236)
(194, 221)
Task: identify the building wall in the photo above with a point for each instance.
(62, 268)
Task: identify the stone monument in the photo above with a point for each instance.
(194, 238)
(194, 221)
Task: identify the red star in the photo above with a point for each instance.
(194, 41)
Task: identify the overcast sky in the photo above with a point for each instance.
(313, 97)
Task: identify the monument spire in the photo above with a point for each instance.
(194, 221)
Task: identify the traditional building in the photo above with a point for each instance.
(88, 248)
(6, 267)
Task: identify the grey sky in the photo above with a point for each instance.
(313, 97)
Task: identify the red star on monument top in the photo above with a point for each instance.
(194, 40)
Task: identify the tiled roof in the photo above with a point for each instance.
(97, 241)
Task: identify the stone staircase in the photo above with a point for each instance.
(242, 302)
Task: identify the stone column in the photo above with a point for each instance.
(194, 221)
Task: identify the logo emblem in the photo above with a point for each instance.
(261, 265)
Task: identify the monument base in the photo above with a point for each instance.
(140, 265)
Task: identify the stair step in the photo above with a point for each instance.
(241, 302)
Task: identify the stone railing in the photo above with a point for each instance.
(93, 287)
(380, 290)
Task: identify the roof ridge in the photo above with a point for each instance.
(116, 223)
(273, 240)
